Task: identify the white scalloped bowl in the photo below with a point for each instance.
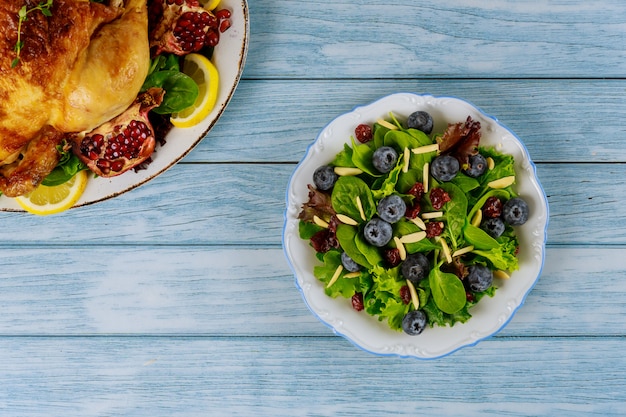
(490, 315)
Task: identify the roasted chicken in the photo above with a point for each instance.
(78, 67)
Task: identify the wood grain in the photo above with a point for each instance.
(452, 39)
(250, 292)
(305, 377)
(176, 299)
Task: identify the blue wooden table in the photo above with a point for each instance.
(175, 299)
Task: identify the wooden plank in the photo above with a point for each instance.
(231, 204)
(435, 39)
(558, 120)
(305, 376)
(236, 140)
(250, 292)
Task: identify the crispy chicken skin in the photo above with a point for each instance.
(78, 68)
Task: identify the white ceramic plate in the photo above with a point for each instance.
(229, 57)
(491, 314)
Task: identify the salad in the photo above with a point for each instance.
(413, 226)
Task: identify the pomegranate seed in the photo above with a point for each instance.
(223, 14)
(212, 37)
(224, 25)
(117, 165)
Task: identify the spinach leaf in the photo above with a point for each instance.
(455, 210)
(479, 238)
(346, 236)
(66, 168)
(344, 195)
(447, 290)
(344, 158)
(362, 158)
(370, 252)
(465, 182)
(181, 91)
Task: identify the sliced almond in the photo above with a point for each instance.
(491, 164)
(320, 222)
(352, 275)
(462, 251)
(432, 215)
(426, 149)
(478, 218)
(426, 173)
(414, 297)
(502, 182)
(413, 237)
(419, 223)
(386, 124)
(407, 160)
(335, 276)
(359, 205)
(347, 220)
(347, 171)
(501, 274)
(446, 250)
(400, 248)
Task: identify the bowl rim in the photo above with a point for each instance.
(534, 179)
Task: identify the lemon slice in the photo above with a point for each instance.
(45, 200)
(210, 4)
(204, 73)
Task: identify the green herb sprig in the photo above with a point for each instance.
(44, 7)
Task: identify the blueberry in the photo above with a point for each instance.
(377, 232)
(479, 278)
(420, 120)
(515, 211)
(444, 168)
(348, 263)
(384, 159)
(324, 177)
(414, 322)
(477, 166)
(391, 208)
(415, 267)
(494, 227)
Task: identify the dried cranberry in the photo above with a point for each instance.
(363, 133)
(357, 301)
(324, 240)
(412, 211)
(469, 297)
(417, 190)
(434, 229)
(405, 294)
(492, 208)
(438, 198)
(392, 256)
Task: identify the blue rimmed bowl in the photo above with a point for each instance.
(491, 314)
